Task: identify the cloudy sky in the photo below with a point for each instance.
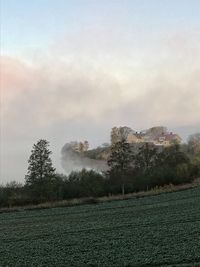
(71, 70)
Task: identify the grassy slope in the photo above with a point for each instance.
(90, 200)
(162, 230)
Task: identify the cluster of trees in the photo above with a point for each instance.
(151, 166)
(130, 170)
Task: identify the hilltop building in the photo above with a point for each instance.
(158, 136)
(79, 146)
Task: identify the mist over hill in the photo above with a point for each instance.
(75, 160)
(77, 155)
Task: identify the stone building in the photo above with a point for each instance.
(159, 136)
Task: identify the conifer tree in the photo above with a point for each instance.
(40, 164)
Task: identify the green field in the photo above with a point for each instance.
(161, 230)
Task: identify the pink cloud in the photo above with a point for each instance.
(14, 74)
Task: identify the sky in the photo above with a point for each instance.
(72, 70)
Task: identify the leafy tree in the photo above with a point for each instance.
(85, 183)
(145, 158)
(11, 194)
(40, 164)
(195, 167)
(194, 144)
(41, 173)
(182, 173)
(120, 161)
(172, 166)
(172, 156)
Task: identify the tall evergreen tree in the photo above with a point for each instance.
(40, 164)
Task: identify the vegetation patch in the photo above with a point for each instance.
(160, 230)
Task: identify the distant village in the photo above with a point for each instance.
(158, 136)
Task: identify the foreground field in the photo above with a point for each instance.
(161, 230)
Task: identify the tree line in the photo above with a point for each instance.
(130, 169)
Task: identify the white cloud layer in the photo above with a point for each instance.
(87, 81)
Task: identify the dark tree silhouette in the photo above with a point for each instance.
(172, 156)
(40, 164)
(145, 158)
(120, 161)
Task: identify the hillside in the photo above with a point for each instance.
(76, 155)
(159, 230)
